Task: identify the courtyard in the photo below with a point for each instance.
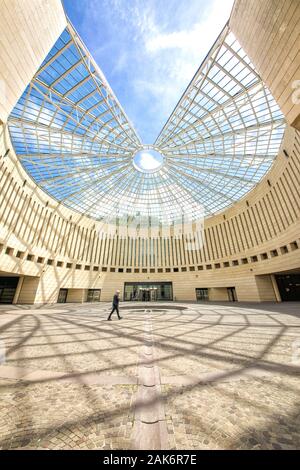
(166, 376)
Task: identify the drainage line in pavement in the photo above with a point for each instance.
(150, 427)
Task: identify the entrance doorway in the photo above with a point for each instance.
(147, 294)
(201, 294)
(8, 286)
(148, 291)
(231, 294)
(93, 295)
(62, 296)
(289, 286)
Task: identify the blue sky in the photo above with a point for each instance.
(148, 50)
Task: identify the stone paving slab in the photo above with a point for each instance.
(18, 373)
(234, 375)
(154, 439)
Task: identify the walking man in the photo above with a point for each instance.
(115, 305)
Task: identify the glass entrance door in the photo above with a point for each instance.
(144, 294)
(153, 294)
(147, 294)
(148, 291)
(93, 295)
(201, 294)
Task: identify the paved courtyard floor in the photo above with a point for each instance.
(171, 376)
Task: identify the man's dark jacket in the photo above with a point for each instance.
(116, 300)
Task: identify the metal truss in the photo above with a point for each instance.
(73, 137)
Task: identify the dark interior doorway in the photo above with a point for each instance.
(62, 296)
(231, 294)
(8, 286)
(289, 286)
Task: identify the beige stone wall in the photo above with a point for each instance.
(28, 30)
(185, 284)
(77, 295)
(269, 31)
(218, 294)
(28, 289)
(265, 288)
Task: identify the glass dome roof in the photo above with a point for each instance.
(72, 136)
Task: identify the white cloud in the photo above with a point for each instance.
(199, 37)
(148, 161)
(170, 59)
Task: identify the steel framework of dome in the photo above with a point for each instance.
(72, 136)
